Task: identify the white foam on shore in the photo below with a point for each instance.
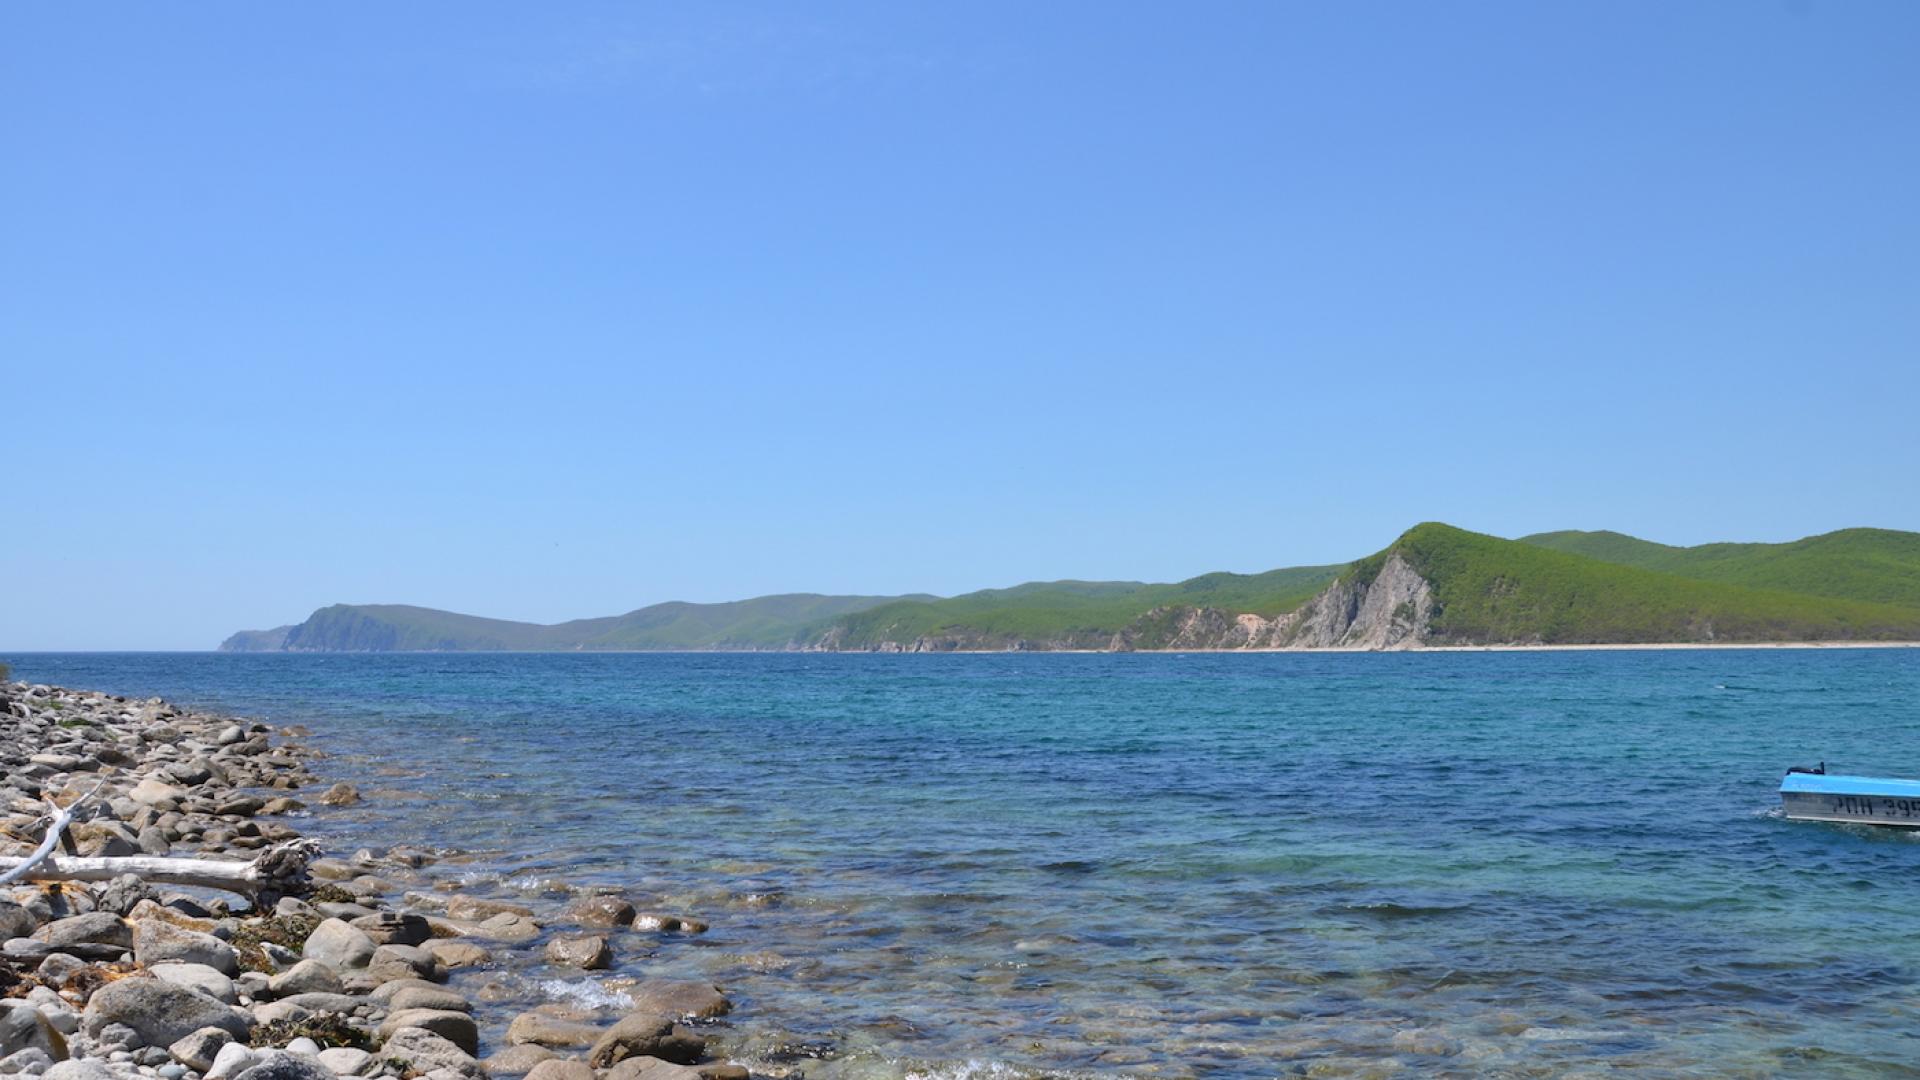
(975, 1069)
(585, 993)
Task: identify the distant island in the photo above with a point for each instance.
(1435, 585)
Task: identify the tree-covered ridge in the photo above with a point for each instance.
(1071, 614)
(1875, 565)
(766, 622)
(1488, 591)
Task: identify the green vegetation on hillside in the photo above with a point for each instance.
(1488, 590)
(1875, 565)
(760, 623)
(1551, 588)
(1073, 614)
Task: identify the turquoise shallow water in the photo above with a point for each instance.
(1234, 866)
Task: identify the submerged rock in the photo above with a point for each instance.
(687, 998)
(542, 1027)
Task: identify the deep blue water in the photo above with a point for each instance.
(1518, 863)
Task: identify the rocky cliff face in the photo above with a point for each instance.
(1390, 612)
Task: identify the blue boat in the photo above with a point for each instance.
(1814, 795)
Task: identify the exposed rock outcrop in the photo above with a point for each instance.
(1391, 611)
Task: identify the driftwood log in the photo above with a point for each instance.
(280, 870)
(58, 818)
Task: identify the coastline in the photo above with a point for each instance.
(369, 964)
(1507, 647)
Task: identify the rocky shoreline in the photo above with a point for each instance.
(371, 968)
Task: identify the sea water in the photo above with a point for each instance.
(1168, 865)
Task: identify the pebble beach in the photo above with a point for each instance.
(376, 967)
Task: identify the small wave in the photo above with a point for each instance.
(1071, 866)
(534, 883)
(586, 993)
(1570, 1034)
(974, 1069)
(1387, 909)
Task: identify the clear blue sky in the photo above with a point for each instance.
(544, 311)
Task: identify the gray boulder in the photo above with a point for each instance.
(280, 1065)
(343, 1004)
(15, 921)
(24, 1027)
(305, 977)
(425, 1052)
(32, 1061)
(158, 942)
(125, 892)
(344, 1060)
(428, 997)
(198, 1050)
(59, 967)
(160, 1013)
(339, 946)
(197, 977)
(232, 1058)
(457, 1028)
(394, 928)
(392, 962)
(93, 928)
(78, 1070)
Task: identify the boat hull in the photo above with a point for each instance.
(1858, 799)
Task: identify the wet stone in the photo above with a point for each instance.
(587, 951)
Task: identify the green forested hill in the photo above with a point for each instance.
(1073, 614)
(1488, 590)
(1875, 565)
(766, 622)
